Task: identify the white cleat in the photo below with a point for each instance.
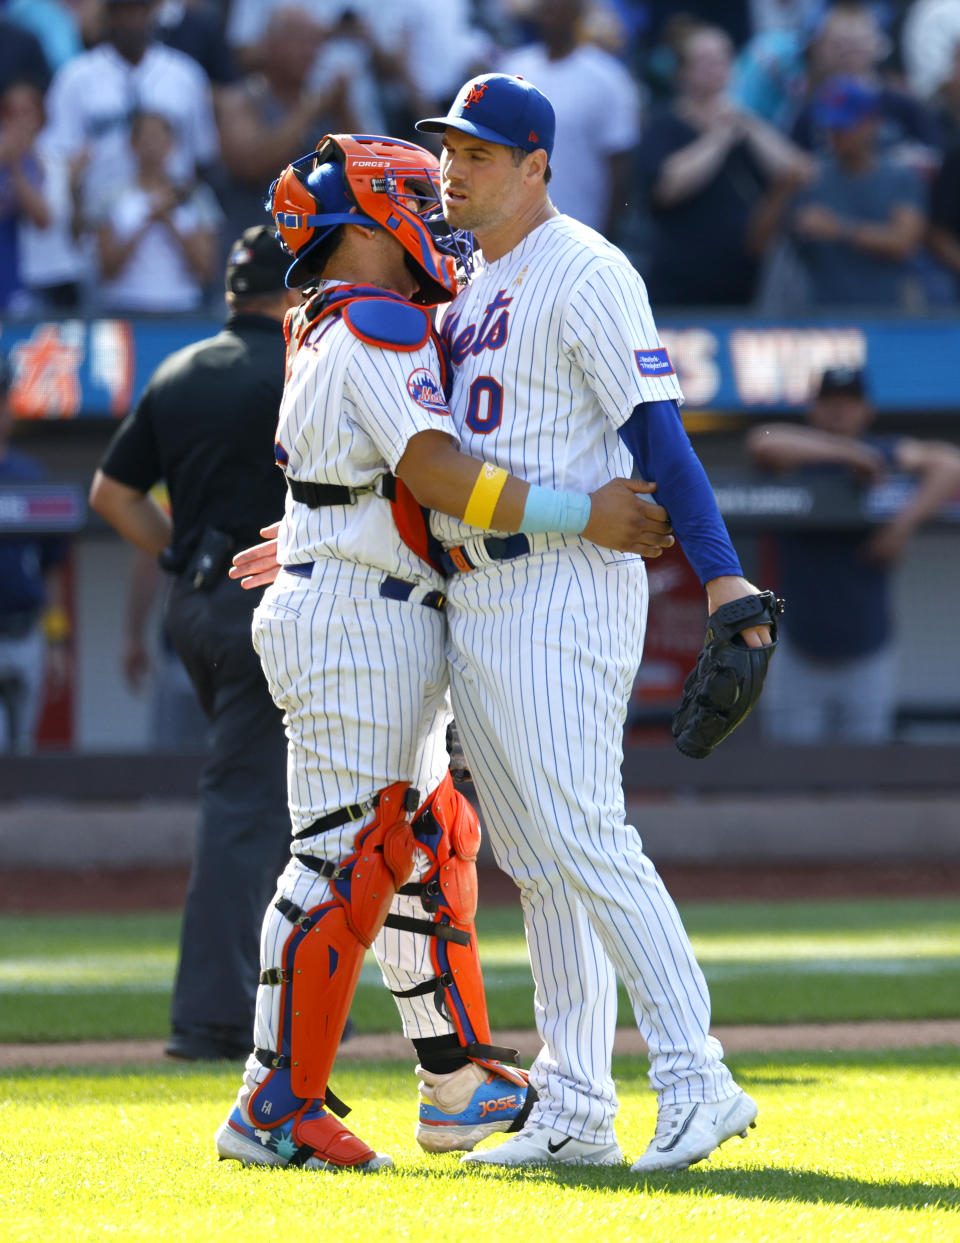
(539, 1144)
(687, 1134)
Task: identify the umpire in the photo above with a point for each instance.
(206, 425)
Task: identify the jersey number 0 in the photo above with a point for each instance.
(485, 407)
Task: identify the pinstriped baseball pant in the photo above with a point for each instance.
(543, 654)
(362, 682)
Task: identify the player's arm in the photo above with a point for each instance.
(655, 436)
(487, 496)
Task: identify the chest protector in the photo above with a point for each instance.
(386, 321)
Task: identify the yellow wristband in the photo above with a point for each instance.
(56, 624)
(486, 492)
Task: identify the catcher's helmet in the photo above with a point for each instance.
(374, 181)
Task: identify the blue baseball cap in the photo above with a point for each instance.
(498, 107)
(842, 103)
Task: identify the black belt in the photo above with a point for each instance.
(457, 561)
(321, 495)
(391, 588)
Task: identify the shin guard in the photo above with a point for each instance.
(322, 958)
(448, 831)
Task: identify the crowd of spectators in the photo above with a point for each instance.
(780, 154)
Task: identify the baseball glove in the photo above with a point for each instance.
(728, 677)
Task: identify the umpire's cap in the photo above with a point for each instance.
(257, 263)
(498, 107)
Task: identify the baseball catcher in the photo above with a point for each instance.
(728, 677)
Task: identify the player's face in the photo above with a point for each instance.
(481, 187)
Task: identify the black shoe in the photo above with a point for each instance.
(208, 1044)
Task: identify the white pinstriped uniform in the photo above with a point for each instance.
(544, 649)
(362, 680)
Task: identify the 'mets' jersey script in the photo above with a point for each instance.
(349, 408)
(553, 345)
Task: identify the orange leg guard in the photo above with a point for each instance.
(324, 953)
(448, 831)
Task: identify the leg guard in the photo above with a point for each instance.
(321, 964)
(447, 830)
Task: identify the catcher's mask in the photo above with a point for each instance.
(378, 182)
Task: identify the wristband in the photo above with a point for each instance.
(486, 492)
(56, 624)
(566, 513)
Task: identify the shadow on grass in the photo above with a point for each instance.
(770, 1183)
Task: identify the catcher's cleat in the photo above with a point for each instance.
(687, 1134)
(459, 1109)
(317, 1141)
(539, 1144)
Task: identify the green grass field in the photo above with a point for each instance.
(849, 1147)
(858, 1149)
(72, 977)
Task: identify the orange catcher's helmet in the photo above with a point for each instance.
(378, 182)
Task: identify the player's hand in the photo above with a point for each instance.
(620, 519)
(257, 566)
(729, 587)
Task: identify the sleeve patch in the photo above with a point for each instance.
(426, 391)
(654, 363)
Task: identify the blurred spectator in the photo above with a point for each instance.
(197, 29)
(21, 188)
(852, 44)
(731, 18)
(158, 239)
(360, 42)
(62, 27)
(943, 233)
(275, 115)
(859, 224)
(834, 677)
(34, 623)
(770, 75)
(21, 56)
(945, 104)
(48, 265)
(706, 166)
(441, 48)
(783, 14)
(931, 31)
(94, 97)
(597, 105)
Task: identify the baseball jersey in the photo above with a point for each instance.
(349, 409)
(577, 347)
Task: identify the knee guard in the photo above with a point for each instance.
(323, 955)
(448, 831)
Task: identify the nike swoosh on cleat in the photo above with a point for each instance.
(552, 1147)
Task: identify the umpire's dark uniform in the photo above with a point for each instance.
(206, 425)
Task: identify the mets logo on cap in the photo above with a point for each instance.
(424, 388)
(475, 94)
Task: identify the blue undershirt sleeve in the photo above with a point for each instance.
(661, 449)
